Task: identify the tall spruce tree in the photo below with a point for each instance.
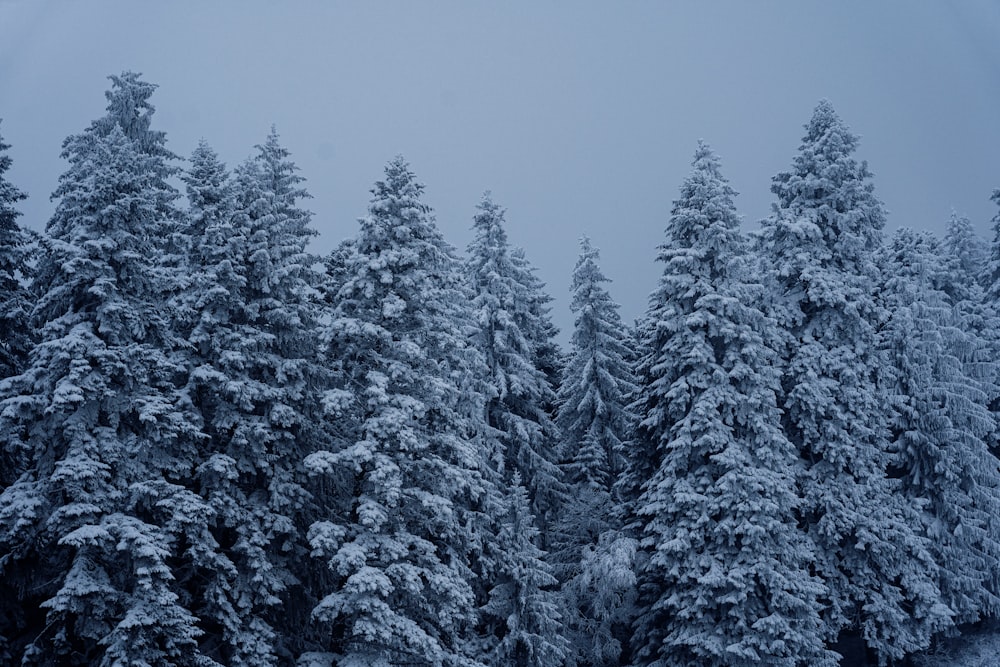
(597, 382)
(249, 315)
(597, 385)
(96, 414)
(727, 581)
(940, 424)
(410, 457)
(15, 271)
(511, 333)
(15, 343)
(820, 242)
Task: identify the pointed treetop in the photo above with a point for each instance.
(824, 114)
(489, 221)
(587, 270)
(399, 179)
(588, 253)
(829, 190)
(398, 196)
(705, 205)
(827, 138)
(279, 172)
(705, 159)
(964, 244)
(824, 121)
(8, 193)
(206, 171)
(129, 108)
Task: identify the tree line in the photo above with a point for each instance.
(221, 449)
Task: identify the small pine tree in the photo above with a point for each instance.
(727, 580)
(523, 594)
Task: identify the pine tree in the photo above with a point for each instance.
(597, 383)
(15, 343)
(509, 308)
(95, 413)
(15, 332)
(968, 253)
(249, 318)
(411, 441)
(727, 581)
(820, 241)
(522, 595)
(542, 332)
(966, 258)
(939, 425)
(991, 278)
(595, 425)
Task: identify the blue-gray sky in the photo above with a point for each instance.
(581, 117)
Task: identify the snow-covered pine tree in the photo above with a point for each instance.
(728, 577)
(597, 382)
(522, 594)
(249, 317)
(821, 240)
(15, 332)
(411, 457)
(969, 253)
(95, 413)
(966, 257)
(939, 426)
(597, 385)
(15, 343)
(991, 277)
(511, 329)
(542, 333)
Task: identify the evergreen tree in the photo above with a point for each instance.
(542, 332)
(15, 343)
(95, 414)
(968, 254)
(727, 581)
(533, 632)
(595, 424)
(991, 279)
(410, 457)
(820, 241)
(249, 315)
(966, 258)
(939, 425)
(508, 308)
(597, 382)
(15, 332)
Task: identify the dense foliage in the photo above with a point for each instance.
(219, 449)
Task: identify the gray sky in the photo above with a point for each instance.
(581, 117)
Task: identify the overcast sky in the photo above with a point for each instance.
(581, 117)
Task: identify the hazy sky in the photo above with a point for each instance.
(581, 117)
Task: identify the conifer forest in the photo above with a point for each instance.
(220, 449)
